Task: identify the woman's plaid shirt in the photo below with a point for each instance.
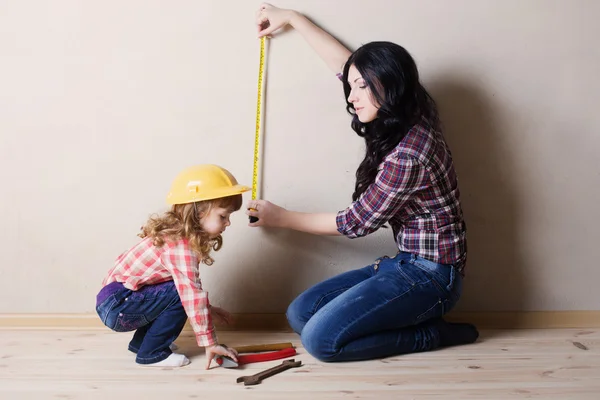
(416, 192)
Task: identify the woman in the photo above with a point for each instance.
(407, 180)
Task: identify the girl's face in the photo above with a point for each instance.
(361, 97)
(216, 221)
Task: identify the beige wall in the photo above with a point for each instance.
(102, 103)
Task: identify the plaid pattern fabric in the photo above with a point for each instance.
(146, 264)
(416, 192)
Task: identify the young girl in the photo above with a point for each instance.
(154, 287)
(406, 180)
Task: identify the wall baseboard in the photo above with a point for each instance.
(528, 319)
(278, 322)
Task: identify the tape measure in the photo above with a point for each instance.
(261, 71)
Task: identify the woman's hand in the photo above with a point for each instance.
(270, 18)
(212, 351)
(268, 214)
(221, 315)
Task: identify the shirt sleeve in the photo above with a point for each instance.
(183, 265)
(396, 182)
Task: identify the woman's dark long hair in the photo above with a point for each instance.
(392, 76)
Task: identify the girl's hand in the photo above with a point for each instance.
(221, 350)
(268, 214)
(270, 18)
(221, 315)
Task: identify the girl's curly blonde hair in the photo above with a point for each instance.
(183, 222)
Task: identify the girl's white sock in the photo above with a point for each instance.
(174, 360)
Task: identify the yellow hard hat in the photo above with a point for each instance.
(203, 182)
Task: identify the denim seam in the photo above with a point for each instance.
(424, 268)
(441, 289)
(432, 307)
(316, 305)
(404, 275)
(444, 291)
(109, 309)
(409, 290)
(170, 304)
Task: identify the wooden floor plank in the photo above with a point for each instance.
(94, 364)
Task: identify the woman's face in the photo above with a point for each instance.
(361, 97)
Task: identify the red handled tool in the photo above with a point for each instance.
(227, 362)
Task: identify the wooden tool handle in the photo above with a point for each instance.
(263, 347)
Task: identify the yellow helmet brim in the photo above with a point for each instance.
(217, 193)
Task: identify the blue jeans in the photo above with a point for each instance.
(388, 308)
(154, 312)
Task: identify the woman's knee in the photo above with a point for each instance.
(318, 341)
(295, 316)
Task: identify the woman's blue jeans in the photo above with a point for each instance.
(391, 307)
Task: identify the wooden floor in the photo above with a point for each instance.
(94, 364)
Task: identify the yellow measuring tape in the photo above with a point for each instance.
(261, 71)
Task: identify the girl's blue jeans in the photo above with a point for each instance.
(154, 312)
(390, 307)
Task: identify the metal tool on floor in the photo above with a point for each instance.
(257, 378)
(227, 362)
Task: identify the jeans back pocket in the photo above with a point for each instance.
(126, 322)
